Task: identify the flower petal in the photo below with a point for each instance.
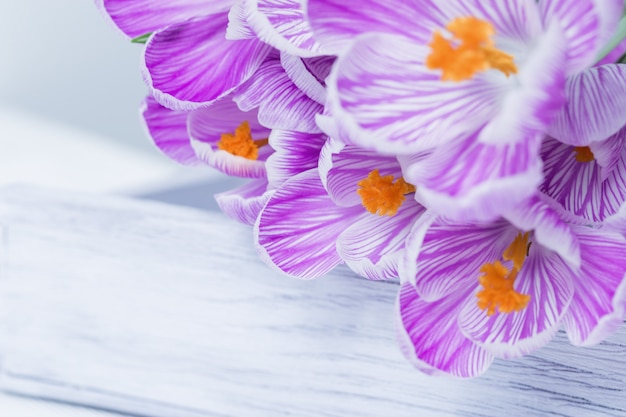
(246, 202)
(139, 17)
(442, 256)
(238, 27)
(547, 279)
(297, 230)
(191, 64)
(587, 24)
(337, 22)
(372, 247)
(473, 180)
(308, 74)
(550, 229)
(596, 99)
(282, 105)
(206, 127)
(351, 164)
(430, 337)
(295, 152)
(599, 302)
(386, 98)
(282, 24)
(586, 188)
(168, 130)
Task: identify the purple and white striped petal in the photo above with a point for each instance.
(430, 338)
(295, 152)
(608, 153)
(473, 180)
(282, 105)
(191, 64)
(549, 228)
(443, 257)
(387, 100)
(337, 22)
(587, 189)
(297, 231)
(168, 130)
(372, 247)
(238, 27)
(596, 99)
(587, 24)
(514, 20)
(282, 24)
(547, 279)
(244, 203)
(599, 302)
(139, 17)
(308, 74)
(348, 166)
(206, 127)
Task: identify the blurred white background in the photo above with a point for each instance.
(61, 60)
(70, 91)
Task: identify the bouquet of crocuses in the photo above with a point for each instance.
(473, 150)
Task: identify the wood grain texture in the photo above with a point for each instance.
(164, 311)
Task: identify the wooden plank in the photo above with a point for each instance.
(165, 311)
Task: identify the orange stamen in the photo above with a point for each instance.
(381, 195)
(471, 50)
(497, 280)
(584, 154)
(241, 143)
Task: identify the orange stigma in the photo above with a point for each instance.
(584, 154)
(381, 195)
(471, 50)
(497, 280)
(241, 143)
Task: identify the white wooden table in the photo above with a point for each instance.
(165, 311)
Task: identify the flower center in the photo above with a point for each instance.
(241, 143)
(584, 154)
(470, 51)
(497, 280)
(381, 195)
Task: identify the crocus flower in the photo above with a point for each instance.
(478, 81)
(473, 292)
(359, 212)
(589, 181)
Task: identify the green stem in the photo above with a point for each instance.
(142, 38)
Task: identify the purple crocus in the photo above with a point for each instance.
(589, 181)
(474, 292)
(358, 212)
(477, 81)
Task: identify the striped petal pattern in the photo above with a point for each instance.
(168, 130)
(596, 99)
(431, 340)
(191, 64)
(282, 24)
(297, 230)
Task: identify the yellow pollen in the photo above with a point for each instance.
(241, 143)
(584, 154)
(471, 50)
(381, 195)
(497, 280)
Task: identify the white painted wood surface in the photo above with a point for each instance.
(164, 311)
